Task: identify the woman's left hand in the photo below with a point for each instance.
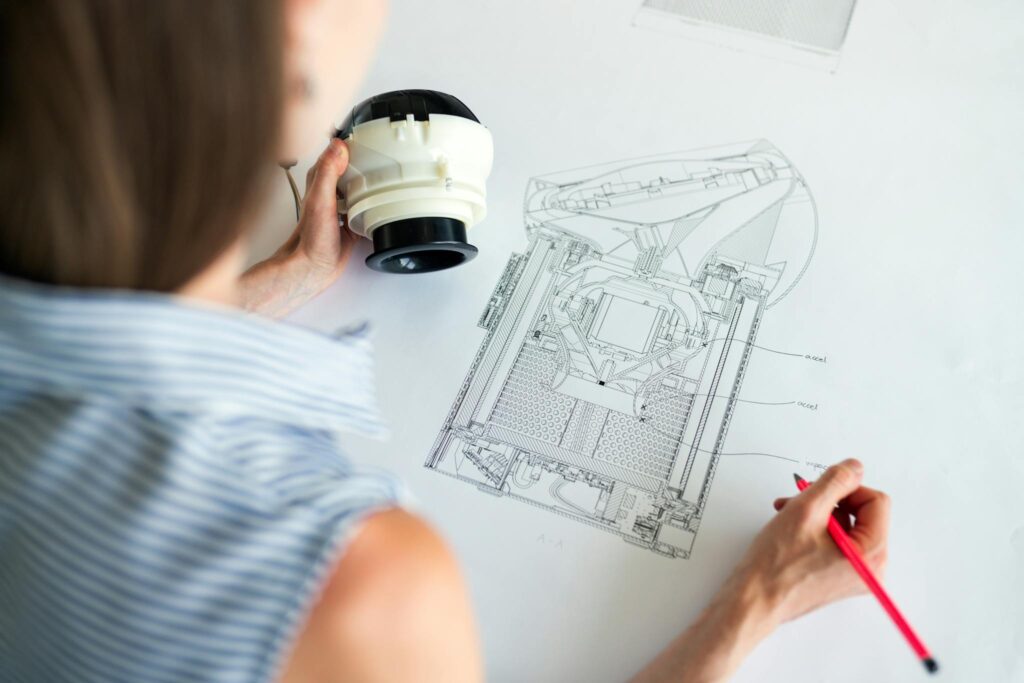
(315, 254)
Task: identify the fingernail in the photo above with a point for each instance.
(334, 145)
(855, 465)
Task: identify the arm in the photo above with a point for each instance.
(314, 255)
(791, 568)
(395, 609)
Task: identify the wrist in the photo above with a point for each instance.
(738, 618)
(740, 615)
(753, 600)
(282, 283)
(298, 267)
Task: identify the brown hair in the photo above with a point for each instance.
(134, 135)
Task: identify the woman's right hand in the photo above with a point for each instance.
(796, 561)
(791, 568)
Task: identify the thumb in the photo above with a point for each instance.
(837, 483)
(321, 189)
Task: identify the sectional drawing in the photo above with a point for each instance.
(616, 346)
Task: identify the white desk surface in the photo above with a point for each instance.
(914, 151)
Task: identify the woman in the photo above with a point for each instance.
(173, 501)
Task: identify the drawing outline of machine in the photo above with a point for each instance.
(616, 345)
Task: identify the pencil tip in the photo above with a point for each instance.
(930, 664)
(797, 477)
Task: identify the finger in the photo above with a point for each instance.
(842, 515)
(862, 496)
(871, 510)
(326, 172)
(780, 503)
(310, 174)
(331, 165)
(836, 483)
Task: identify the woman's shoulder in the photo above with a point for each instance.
(162, 538)
(394, 607)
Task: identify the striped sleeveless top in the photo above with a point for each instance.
(172, 494)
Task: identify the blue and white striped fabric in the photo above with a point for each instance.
(172, 493)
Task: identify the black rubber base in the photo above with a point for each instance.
(420, 245)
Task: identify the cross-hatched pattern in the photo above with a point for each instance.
(527, 404)
(820, 23)
(648, 446)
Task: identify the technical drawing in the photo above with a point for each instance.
(616, 346)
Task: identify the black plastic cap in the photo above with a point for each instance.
(420, 245)
(398, 104)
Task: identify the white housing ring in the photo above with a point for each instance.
(408, 169)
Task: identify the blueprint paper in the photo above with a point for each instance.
(900, 344)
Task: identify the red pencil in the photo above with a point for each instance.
(849, 550)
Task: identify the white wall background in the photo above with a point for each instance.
(914, 152)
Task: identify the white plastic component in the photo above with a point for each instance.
(408, 169)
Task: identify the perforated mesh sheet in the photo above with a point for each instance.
(650, 445)
(818, 23)
(527, 404)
